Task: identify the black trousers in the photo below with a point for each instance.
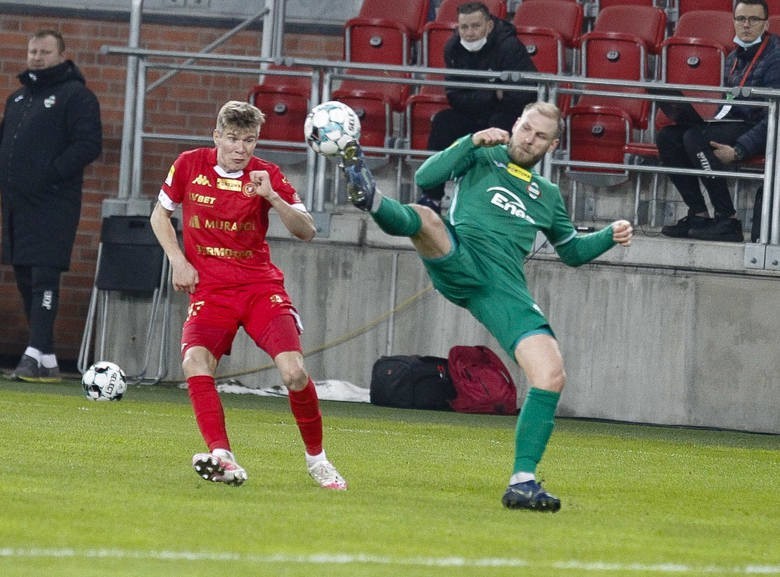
(448, 125)
(688, 146)
(40, 290)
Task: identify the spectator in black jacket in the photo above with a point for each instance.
(50, 132)
(714, 145)
(481, 42)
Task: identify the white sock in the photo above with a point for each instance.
(49, 361)
(33, 352)
(312, 460)
(521, 478)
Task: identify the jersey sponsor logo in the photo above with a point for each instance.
(508, 201)
(228, 225)
(519, 172)
(230, 184)
(223, 252)
(202, 180)
(198, 198)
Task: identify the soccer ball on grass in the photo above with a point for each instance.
(104, 381)
(331, 127)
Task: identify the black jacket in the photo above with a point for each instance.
(502, 51)
(50, 132)
(766, 74)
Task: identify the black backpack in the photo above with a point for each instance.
(412, 382)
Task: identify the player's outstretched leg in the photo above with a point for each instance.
(219, 466)
(530, 495)
(361, 185)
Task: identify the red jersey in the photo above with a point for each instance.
(224, 223)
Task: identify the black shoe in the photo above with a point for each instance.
(682, 228)
(32, 371)
(360, 182)
(722, 228)
(432, 203)
(530, 495)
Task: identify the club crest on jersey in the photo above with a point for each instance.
(508, 201)
(249, 190)
(533, 190)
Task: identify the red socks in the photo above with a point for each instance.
(305, 408)
(208, 411)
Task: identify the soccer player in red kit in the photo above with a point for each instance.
(225, 194)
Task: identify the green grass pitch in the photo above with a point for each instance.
(103, 489)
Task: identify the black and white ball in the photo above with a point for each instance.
(104, 381)
(330, 127)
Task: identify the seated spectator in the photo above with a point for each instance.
(736, 132)
(480, 42)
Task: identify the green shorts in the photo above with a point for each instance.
(497, 297)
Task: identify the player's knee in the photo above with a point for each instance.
(198, 361)
(295, 379)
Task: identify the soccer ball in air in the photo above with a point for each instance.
(104, 381)
(330, 127)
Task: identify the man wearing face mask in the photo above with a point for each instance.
(480, 42)
(736, 132)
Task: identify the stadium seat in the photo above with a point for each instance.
(714, 25)
(374, 107)
(436, 32)
(420, 110)
(547, 28)
(619, 47)
(384, 33)
(774, 23)
(285, 112)
(597, 134)
(685, 6)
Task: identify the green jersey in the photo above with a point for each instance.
(496, 211)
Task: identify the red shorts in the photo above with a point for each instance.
(265, 312)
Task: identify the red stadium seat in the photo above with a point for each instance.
(547, 28)
(420, 109)
(383, 33)
(597, 134)
(685, 6)
(712, 25)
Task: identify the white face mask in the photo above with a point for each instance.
(747, 45)
(474, 45)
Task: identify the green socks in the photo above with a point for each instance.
(534, 427)
(397, 219)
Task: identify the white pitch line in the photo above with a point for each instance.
(348, 559)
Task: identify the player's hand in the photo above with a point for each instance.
(184, 276)
(490, 137)
(622, 232)
(261, 183)
(723, 152)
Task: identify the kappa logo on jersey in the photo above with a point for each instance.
(50, 101)
(230, 184)
(202, 180)
(194, 221)
(508, 201)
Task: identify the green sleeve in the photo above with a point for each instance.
(583, 248)
(446, 164)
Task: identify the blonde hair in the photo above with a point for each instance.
(239, 115)
(550, 111)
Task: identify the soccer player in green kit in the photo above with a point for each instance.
(475, 258)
